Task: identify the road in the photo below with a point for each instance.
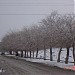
(22, 67)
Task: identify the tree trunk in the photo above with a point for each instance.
(33, 54)
(10, 52)
(25, 54)
(74, 57)
(30, 54)
(58, 60)
(73, 54)
(44, 53)
(37, 53)
(17, 53)
(21, 53)
(67, 56)
(51, 58)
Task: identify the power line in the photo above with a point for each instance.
(24, 14)
(34, 14)
(32, 3)
(36, 5)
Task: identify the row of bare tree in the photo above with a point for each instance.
(54, 31)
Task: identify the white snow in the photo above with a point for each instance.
(1, 70)
(55, 51)
(61, 64)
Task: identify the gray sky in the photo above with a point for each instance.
(17, 22)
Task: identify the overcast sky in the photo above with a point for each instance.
(17, 22)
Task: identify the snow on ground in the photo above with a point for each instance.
(55, 54)
(55, 51)
(49, 63)
(61, 64)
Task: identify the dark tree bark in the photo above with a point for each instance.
(25, 54)
(51, 58)
(2, 53)
(58, 60)
(17, 53)
(33, 54)
(30, 54)
(67, 56)
(37, 53)
(21, 53)
(44, 53)
(10, 52)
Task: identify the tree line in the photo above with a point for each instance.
(55, 31)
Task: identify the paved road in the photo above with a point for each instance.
(22, 67)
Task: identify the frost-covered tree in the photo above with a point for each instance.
(56, 30)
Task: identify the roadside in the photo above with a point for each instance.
(69, 66)
(32, 68)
